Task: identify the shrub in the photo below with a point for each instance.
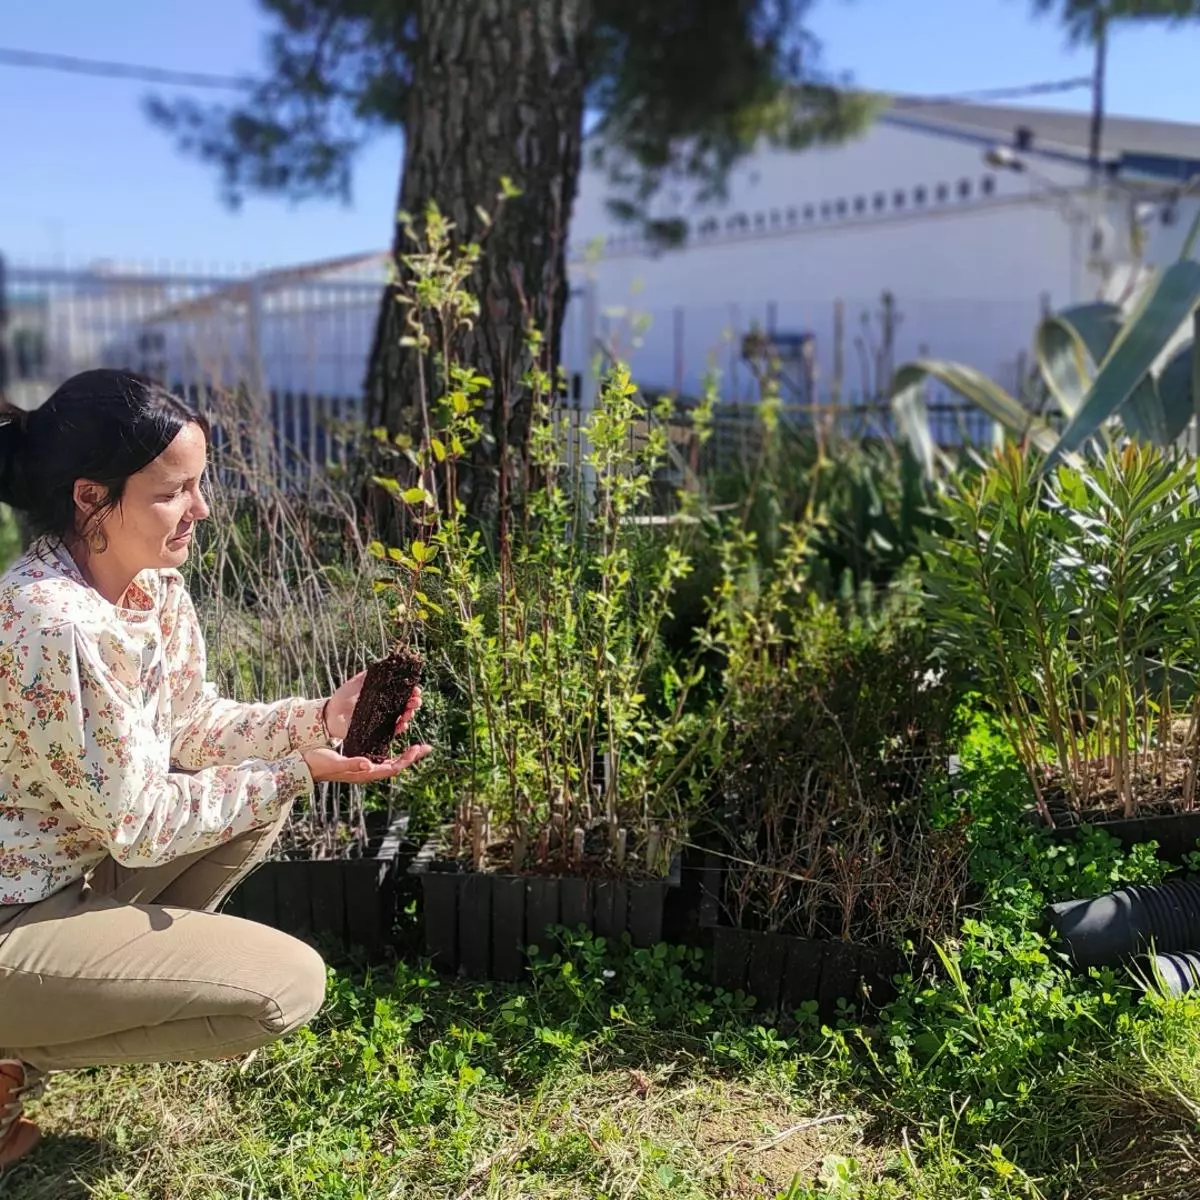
(1072, 598)
(560, 756)
(833, 751)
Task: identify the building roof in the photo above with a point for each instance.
(1127, 140)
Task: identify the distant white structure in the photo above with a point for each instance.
(971, 216)
(304, 329)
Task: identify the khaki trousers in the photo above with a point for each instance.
(132, 966)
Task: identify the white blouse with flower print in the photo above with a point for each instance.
(111, 742)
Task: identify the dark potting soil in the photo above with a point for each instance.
(597, 862)
(385, 694)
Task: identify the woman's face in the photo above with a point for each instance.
(152, 525)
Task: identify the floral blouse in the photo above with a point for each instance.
(112, 744)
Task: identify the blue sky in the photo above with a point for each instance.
(85, 176)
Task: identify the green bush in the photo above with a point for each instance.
(832, 776)
(1072, 599)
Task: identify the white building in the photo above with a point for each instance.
(303, 330)
(971, 249)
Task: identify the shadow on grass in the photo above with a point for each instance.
(63, 1167)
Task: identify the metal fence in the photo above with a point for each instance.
(290, 347)
(283, 351)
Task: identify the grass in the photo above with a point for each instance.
(617, 1076)
(409, 1087)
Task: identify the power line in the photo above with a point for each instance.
(1007, 93)
(103, 69)
(115, 70)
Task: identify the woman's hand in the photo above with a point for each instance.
(328, 766)
(339, 708)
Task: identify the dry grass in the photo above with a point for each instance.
(163, 1133)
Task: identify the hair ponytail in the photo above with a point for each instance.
(13, 426)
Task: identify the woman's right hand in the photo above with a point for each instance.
(328, 766)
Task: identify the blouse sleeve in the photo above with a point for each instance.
(109, 768)
(210, 731)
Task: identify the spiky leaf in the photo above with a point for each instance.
(1155, 320)
(908, 404)
(1070, 344)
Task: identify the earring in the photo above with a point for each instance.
(97, 542)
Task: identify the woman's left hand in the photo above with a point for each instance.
(339, 708)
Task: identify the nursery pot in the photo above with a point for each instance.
(782, 971)
(482, 924)
(347, 901)
(1118, 925)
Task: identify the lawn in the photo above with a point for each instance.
(618, 1073)
(410, 1087)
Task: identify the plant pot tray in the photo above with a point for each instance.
(783, 971)
(1177, 834)
(349, 901)
(481, 924)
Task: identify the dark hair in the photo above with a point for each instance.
(100, 425)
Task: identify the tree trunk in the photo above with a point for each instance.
(497, 91)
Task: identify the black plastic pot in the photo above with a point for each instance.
(783, 972)
(347, 901)
(1119, 925)
(481, 924)
(1177, 834)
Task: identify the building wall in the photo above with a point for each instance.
(969, 253)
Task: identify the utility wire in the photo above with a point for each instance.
(198, 79)
(115, 70)
(1006, 93)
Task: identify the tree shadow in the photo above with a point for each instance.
(63, 1167)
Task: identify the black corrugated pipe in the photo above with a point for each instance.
(1115, 927)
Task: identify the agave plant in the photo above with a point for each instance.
(1096, 365)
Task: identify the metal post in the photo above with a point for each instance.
(3, 331)
(735, 350)
(256, 381)
(1196, 377)
(839, 350)
(678, 333)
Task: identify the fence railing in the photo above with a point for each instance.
(277, 362)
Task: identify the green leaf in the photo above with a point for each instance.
(1148, 331)
(1143, 416)
(1069, 345)
(415, 495)
(1175, 392)
(908, 404)
(439, 449)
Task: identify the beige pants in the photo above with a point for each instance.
(133, 966)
